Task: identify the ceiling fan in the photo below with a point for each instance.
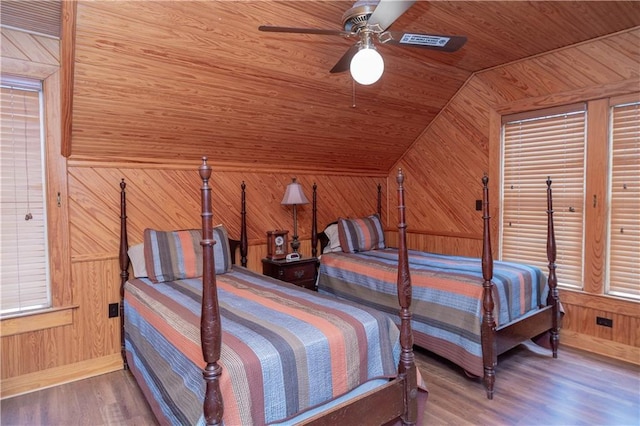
(368, 21)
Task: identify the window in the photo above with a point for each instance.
(623, 248)
(549, 145)
(591, 153)
(24, 251)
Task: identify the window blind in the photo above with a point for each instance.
(551, 144)
(24, 255)
(623, 248)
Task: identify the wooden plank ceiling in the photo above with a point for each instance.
(175, 80)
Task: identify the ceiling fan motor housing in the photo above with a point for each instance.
(367, 21)
(356, 17)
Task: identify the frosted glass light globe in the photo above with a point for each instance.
(367, 66)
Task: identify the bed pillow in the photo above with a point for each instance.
(333, 245)
(361, 234)
(136, 256)
(222, 250)
(177, 255)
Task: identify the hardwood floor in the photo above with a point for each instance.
(531, 389)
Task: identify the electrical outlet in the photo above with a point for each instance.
(479, 205)
(605, 322)
(113, 310)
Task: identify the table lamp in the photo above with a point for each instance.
(292, 197)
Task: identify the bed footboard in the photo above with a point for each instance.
(400, 396)
(547, 319)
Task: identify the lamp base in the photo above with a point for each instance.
(295, 244)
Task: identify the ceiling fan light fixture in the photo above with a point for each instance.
(367, 66)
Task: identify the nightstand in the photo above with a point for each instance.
(300, 272)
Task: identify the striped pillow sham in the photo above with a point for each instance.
(361, 234)
(177, 255)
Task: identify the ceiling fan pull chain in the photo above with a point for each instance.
(353, 93)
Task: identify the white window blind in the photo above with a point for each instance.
(551, 144)
(623, 249)
(24, 256)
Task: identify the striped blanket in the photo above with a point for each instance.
(284, 349)
(447, 295)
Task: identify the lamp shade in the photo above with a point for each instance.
(294, 194)
(367, 66)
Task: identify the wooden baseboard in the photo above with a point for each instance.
(31, 382)
(600, 346)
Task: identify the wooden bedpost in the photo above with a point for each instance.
(314, 222)
(489, 349)
(210, 328)
(124, 265)
(553, 298)
(380, 200)
(244, 245)
(406, 367)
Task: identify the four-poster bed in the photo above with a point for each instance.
(464, 309)
(236, 318)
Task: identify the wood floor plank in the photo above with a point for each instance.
(578, 388)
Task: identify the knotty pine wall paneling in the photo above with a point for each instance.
(445, 164)
(169, 198)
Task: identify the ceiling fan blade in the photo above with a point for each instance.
(444, 43)
(345, 62)
(268, 28)
(386, 12)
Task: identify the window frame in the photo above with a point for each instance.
(62, 303)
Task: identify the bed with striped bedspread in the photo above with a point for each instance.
(284, 349)
(447, 295)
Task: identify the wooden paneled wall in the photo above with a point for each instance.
(162, 197)
(445, 165)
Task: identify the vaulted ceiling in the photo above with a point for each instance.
(176, 80)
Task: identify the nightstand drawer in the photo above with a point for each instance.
(299, 272)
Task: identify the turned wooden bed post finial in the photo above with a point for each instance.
(210, 328)
(124, 265)
(553, 298)
(489, 349)
(406, 366)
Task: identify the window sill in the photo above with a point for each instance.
(34, 321)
